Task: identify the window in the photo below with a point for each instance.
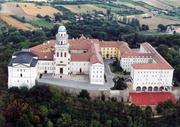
(65, 54)
(57, 54)
(21, 75)
(61, 54)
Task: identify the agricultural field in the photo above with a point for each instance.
(84, 8)
(33, 10)
(175, 3)
(10, 13)
(15, 23)
(132, 5)
(157, 4)
(41, 23)
(155, 21)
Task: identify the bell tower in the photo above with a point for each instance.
(62, 55)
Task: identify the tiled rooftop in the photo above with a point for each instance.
(151, 98)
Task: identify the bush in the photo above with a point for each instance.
(119, 84)
(84, 94)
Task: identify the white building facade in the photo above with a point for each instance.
(22, 69)
(60, 58)
(149, 71)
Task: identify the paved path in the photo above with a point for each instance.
(73, 84)
(108, 73)
(79, 84)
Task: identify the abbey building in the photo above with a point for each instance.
(64, 57)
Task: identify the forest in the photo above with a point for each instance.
(49, 106)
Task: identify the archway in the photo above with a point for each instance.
(155, 88)
(149, 88)
(144, 88)
(161, 88)
(138, 88)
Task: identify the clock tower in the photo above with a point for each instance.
(62, 54)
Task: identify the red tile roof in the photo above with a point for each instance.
(95, 54)
(150, 66)
(80, 56)
(151, 98)
(44, 51)
(108, 44)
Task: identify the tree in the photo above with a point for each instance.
(44, 111)
(116, 123)
(50, 124)
(23, 90)
(165, 108)
(95, 123)
(40, 93)
(108, 123)
(23, 121)
(162, 27)
(119, 84)
(38, 16)
(84, 94)
(65, 120)
(148, 112)
(2, 120)
(56, 93)
(144, 27)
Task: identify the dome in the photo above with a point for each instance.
(62, 29)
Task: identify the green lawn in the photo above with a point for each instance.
(42, 23)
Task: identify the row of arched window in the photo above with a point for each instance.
(150, 88)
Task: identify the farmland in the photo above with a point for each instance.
(157, 4)
(174, 3)
(11, 12)
(34, 10)
(12, 22)
(41, 23)
(131, 4)
(121, 8)
(84, 8)
(155, 21)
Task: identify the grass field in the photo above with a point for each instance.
(41, 23)
(83, 8)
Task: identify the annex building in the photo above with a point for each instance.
(65, 57)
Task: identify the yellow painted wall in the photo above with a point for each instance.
(108, 52)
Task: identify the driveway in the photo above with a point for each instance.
(108, 73)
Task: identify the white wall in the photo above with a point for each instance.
(75, 67)
(45, 65)
(21, 75)
(127, 62)
(97, 73)
(152, 78)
